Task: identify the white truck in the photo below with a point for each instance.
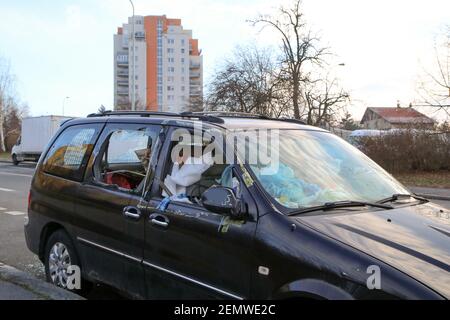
(36, 134)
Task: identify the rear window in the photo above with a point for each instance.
(68, 155)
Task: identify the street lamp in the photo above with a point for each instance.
(64, 104)
(133, 98)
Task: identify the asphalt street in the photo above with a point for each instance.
(14, 186)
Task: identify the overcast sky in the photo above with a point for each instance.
(65, 48)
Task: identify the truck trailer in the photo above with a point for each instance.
(36, 134)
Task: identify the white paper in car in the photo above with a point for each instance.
(141, 154)
(190, 173)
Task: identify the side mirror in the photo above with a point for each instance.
(222, 200)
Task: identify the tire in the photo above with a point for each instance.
(14, 160)
(59, 254)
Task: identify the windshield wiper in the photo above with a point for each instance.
(396, 197)
(341, 204)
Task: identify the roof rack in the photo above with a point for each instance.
(206, 116)
(232, 114)
(298, 121)
(149, 114)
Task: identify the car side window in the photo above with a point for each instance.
(68, 155)
(192, 168)
(125, 157)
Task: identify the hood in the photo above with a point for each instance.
(413, 239)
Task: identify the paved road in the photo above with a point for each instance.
(14, 187)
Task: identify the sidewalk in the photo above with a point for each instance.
(18, 285)
(432, 193)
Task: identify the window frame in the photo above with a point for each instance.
(77, 175)
(163, 171)
(99, 152)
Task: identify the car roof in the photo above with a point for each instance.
(223, 122)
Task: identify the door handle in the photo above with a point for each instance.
(132, 213)
(159, 220)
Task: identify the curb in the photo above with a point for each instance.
(38, 287)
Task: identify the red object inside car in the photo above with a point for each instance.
(119, 180)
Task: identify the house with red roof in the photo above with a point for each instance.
(395, 118)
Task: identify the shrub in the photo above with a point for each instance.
(409, 150)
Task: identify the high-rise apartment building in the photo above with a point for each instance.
(167, 62)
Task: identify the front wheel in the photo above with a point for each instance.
(14, 160)
(59, 256)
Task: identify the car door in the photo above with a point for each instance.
(192, 253)
(111, 210)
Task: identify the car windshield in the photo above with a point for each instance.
(314, 168)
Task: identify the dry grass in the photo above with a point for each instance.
(5, 155)
(433, 179)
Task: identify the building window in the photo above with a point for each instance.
(171, 69)
(171, 60)
(170, 50)
(182, 50)
(182, 60)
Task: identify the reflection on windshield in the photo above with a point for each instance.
(318, 167)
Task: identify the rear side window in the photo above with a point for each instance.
(68, 155)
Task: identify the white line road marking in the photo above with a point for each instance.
(15, 213)
(6, 190)
(16, 174)
(3, 209)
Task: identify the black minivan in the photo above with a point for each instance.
(117, 195)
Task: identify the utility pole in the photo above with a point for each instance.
(133, 73)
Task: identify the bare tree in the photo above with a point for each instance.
(196, 104)
(434, 87)
(102, 109)
(6, 83)
(300, 48)
(247, 82)
(12, 124)
(348, 123)
(324, 101)
(125, 105)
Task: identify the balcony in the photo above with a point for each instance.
(122, 63)
(195, 74)
(122, 92)
(195, 65)
(122, 83)
(122, 73)
(196, 83)
(122, 60)
(195, 91)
